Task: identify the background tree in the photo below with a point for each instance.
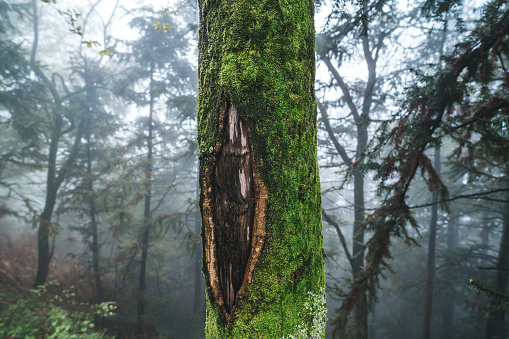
(353, 104)
(99, 127)
(159, 61)
(61, 122)
(432, 106)
(338, 43)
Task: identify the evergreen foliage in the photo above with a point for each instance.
(501, 298)
(468, 100)
(17, 97)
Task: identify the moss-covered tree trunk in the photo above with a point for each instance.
(259, 185)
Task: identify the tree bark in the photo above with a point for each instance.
(259, 186)
(428, 301)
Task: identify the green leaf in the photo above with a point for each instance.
(107, 52)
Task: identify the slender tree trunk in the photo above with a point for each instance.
(147, 212)
(91, 99)
(485, 239)
(43, 250)
(361, 309)
(54, 180)
(53, 183)
(93, 221)
(259, 187)
(428, 301)
(99, 321)
(495, 328)
(44, 229)
(198, 290)
(362, 121)
(371, 326)
(450, 302)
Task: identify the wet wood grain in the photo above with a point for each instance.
(234, 199)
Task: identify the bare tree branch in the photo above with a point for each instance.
(344, 88)
(340, 235)
(339, 148)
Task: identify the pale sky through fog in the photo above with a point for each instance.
(120, 27)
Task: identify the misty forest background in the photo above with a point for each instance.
(98, 156)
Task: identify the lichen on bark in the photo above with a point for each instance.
(258, 58)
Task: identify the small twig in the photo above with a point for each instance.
(493, 268)
(462, 196)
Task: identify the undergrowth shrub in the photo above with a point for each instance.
(18, 265)
(50, 316)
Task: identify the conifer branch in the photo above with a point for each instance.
(501, 298)
(431, 105)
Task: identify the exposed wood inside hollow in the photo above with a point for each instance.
(233, 213)
(234, 206)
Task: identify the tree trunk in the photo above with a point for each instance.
(450, 302)
(259, 186)
(89, 186)
(428, 301)
(361, 309)
(495, 325)
(93, 226)
(44, 257)
(44, 229)
(147, 213)
(198, 290)
(371, 326)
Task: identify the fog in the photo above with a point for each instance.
(98, 147)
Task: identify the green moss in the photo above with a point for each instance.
(260, 57)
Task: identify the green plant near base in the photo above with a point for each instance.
(23, 317)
